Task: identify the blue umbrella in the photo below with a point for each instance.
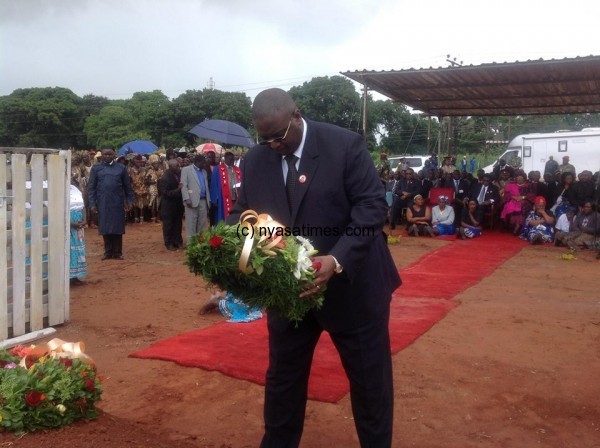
(137, 147)
(223, 131)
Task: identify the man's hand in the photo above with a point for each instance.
(127, 207)
(94, 210)
(180, 186)
(323, 275)
(188, 203)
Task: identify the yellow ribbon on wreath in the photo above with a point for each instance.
(254, 221)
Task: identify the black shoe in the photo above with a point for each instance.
(118, 257)
(77, 282)
(106, 257)
(171, 247)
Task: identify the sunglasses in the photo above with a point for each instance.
(276, 139)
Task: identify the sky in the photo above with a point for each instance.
(114, 48)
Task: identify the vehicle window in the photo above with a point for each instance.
(414, 162)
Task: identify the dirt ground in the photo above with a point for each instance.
(515, 365)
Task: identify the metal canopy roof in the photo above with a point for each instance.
(565, 86)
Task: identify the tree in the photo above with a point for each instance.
(398, 130)
(40, 117)
(194, 106)
(332, 100)
(152, 114)
(90, 105)
(112, 127)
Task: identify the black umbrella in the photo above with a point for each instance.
(223, 131)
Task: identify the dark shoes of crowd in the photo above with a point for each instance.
(171, 247)
(112, 257)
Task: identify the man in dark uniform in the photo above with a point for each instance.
(307, 174)
(171, 205)
(110, 196)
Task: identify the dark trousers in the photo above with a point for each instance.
(171, 227)
(212, 214)
(458, 206)
(113, 246)
(366, 357)
(396, 214)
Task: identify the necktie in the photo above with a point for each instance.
(481, 197)
(456, 186)
(291, 179)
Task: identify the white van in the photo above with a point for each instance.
(415, 162)
(530, 152)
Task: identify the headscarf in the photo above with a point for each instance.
(443, 198)
(417, 197)
(539, 199)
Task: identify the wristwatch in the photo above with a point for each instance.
(338, 267)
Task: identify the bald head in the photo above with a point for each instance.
(173, 165)
(272, 102)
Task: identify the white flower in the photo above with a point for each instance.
(304, 262)
(306, 245)
(61, 408)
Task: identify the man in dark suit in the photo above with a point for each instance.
(332, 184)
(485, 193)
(171, 205)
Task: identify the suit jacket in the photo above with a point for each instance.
(492, 192)
(168, 189)
(191, 186)
(412, 186)
(341, 189)
(463, 188)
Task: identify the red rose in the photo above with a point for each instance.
(34, 398)
(316, 265)
(90, 385)
(67, 362)
(30, 361)
(216, 241)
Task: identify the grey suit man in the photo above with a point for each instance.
(196, 196)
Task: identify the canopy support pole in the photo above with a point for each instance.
(364, 117)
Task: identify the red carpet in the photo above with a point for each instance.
(241, 350)
(448, 271)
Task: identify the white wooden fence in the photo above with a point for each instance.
(34, 239)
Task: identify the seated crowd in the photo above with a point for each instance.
(558, 207)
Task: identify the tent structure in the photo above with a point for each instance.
(564, 86)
